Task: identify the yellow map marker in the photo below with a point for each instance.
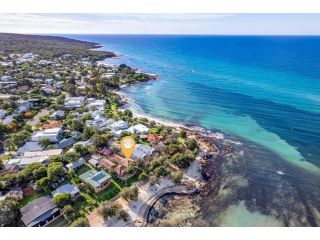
(127, 145)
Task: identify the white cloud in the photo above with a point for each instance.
(161, 23)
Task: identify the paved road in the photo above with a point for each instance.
(145, 209)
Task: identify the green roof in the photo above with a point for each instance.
(94, 178)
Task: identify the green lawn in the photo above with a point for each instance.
(29, 199)
(110, 192)
(131, 180)
(83, 169)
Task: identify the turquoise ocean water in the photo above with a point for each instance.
(263, 91)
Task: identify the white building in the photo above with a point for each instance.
(22, 162)
(57, 114)
(54, 134)
(6, 78)
(67, 188)
(99, 122)
(50, 153)
(96, 104)
(8, 120)
(138, 129)
(118, 125)
(74, 102)
(141, 151)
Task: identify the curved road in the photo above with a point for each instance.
(145, 209)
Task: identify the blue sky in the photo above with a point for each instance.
(239, 24)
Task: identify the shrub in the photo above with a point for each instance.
(130, 193)
(62, 199)
(177, 176)
(80, 222)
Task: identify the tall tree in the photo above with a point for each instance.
(9, 213)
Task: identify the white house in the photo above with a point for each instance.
(57, 114)
(6, 78)
(67, 188)
(8, 120)
(141, 151)
(22, 162)
(74, 102)
(54, 134)
(138, 129)
(50, 153)
(118, 125)
(99, 122)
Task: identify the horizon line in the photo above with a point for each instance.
(166, 34)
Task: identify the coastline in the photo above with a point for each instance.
(203, 171)
(233, 187)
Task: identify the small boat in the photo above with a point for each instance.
(280, 172)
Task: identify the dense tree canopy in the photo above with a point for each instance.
(9, 213)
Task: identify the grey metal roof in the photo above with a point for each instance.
(76, 164)
(37, 210)
(67, 142)
(67, 188)
(30, 147)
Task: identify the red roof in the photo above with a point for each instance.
(154, 138)
(105, 152)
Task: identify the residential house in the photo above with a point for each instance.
(142, 151)
(67, 188)
(99, 122)
(50, 153)
(74, 102)
(6, 78)
(138, 129)
(8, 120)
(96, 103)
(106, 163)
(118, 133)
(39, 212)
(98, 180)
(153, 138)
(94, 162)
(23, 161)
(57, 115)
(106, 152)
(65, 143)
(76, 164)
(118, 125)
(76, 134)
(29, 147)
(54, 134)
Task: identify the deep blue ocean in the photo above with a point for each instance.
(261, 89)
